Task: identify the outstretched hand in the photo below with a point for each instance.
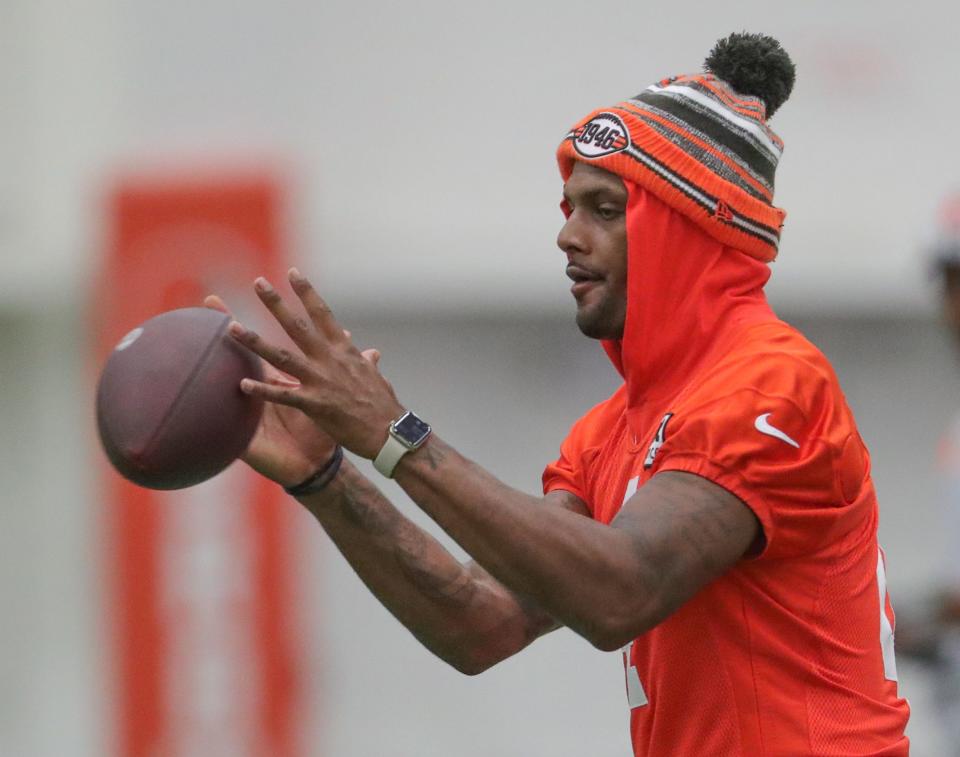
(287, 447)
(326, 378)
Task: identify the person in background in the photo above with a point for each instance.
(930, 631)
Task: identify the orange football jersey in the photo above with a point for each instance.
(791, 651)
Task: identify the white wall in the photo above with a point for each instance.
(421, 134)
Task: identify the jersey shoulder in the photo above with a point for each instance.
(774, 361)
(769, 423)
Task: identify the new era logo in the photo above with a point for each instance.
(723, 212)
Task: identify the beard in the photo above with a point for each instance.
(602, 320)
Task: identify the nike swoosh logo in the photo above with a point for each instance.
(763, 426)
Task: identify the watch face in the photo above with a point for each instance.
(411, 429)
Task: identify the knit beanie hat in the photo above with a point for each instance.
(700, 142)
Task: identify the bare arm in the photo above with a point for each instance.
(608, 583)
(459, 612)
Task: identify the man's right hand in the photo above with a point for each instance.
(288, 447)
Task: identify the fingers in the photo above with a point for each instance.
(281, 395)
(297, 327)
(280, 379)
(318, 310)
(215, 303)
(280, 358)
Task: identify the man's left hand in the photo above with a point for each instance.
(339, 387)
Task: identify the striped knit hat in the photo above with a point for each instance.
(700, 142)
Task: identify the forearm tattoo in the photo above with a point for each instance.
(450, 583)
(425, 564)
(433, 456)
(363, 506)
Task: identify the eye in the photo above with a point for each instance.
(608, 212)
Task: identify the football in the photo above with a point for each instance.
(170, 412)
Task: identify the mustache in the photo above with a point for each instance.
(580, 272)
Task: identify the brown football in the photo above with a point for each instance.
(169, 407)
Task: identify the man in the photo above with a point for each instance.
(715, 517)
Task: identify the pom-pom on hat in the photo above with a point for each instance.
(700, 142)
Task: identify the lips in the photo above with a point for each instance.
(583, 279)
(577, 274)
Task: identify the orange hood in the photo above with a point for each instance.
(687, 296)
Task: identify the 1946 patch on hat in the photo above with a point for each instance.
(604, 134)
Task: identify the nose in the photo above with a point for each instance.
(571, 238)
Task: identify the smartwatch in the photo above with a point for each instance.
(406, 433)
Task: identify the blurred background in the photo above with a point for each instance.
(407, 151)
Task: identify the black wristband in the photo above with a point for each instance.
(320, 479)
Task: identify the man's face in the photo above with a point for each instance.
(594, 238)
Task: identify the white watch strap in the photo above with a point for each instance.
(388, 457)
